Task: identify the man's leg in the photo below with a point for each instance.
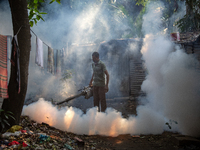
(96, 96)
(102, 97)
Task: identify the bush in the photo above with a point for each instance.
(4, 117)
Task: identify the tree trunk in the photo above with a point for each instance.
(20, 19)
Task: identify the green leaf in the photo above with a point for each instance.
(36, 10)
(6, 122)
(35, 7)
(30, 16)
(1, 110)
(51, 2)
(11, 117)
(35, 1)
(42, 19)
(35, 21)
(31, 11)
(41, 13)
(38, 17)
(6, 116)
(3, 125)
(9, 112)
(58, 1)
(31, 23)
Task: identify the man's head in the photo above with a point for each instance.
(95, 57)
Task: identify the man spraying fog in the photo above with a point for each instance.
(100, 86)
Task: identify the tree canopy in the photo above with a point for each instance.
(191, 20)
(34, 14)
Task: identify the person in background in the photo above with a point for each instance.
(100, 85)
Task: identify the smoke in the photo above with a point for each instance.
(172, 82)
(180, 12)
(70, 29)
(80, 25)
(74, 120)
(6, 22)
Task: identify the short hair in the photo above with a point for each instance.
(96, 54)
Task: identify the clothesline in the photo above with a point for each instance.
(53, 63)
(37, 36)
(42, 41)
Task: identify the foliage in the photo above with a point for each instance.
(138, 23)
(126, 14)
(4, 117)
(191, 21)
(130, 13)
(142, 2)
(34, 14)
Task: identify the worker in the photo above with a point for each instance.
(100, 85)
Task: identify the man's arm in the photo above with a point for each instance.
(90, 84)
(107, 81)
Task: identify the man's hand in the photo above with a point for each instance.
(107, 81)
(106, 89)
(90, 84)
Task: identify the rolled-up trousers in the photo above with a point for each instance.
(99, 97)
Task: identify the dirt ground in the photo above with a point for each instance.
(142, 142)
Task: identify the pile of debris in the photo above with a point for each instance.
(32, 135)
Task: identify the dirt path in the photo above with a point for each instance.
(142, 142)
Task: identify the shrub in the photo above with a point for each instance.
(4, 117)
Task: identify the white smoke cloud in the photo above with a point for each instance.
(84, 26)
(74, 120)
(181, 91)
(172, 84)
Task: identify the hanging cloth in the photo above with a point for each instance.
(62, 60)
(50, 65)
(58, 62)
(3, 67)
(15, 62)
(39, 52)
